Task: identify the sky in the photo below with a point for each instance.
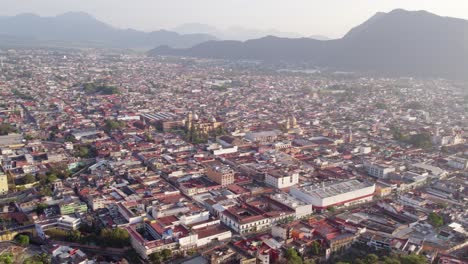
(332, 18)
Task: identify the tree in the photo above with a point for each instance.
(117, 237)
(113, 125)
(6, 129)
(23, 240)
(132, 256)
(40, 208)
(6, 258)
(389, 260)
(155, 258)
(42, 258)
(371, 259)
(436, 220)
(29, 178)
(292, 257)
(413, 259)
(166, 254)
(331, 209)
(315, 248)
(423, 140)
(51, 178)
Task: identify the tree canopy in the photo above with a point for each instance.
(292, 257)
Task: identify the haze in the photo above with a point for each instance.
(332, 18)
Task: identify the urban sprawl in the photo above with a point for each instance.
(123, 158)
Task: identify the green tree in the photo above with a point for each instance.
(413, 259)
(51, 178)
(117, 237)
(155, 258)
(29, 178)
(42, 258)
(436, 220)
(111, 125)
(315, 248)
(23, 240)
(132, 256)
(40, 208)
(292, 257)
(371, 259)
(6, 258)
(389, 260)
(6, 129)
(166, 254)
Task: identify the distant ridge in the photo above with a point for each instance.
(82, 29)
(403, 43)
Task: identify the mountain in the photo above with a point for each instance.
(81, 29)
(232, 33)
(320, 37)
(403, 43)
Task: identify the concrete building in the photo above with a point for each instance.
(280, 179)
(244, 220)
(301, 208)
(220, 173)
(378, 170)
(3, 183)
(344, 193)
(68, 223)
(458, 163)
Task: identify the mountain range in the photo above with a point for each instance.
(237, 33)
(403, 43)
(82, 30)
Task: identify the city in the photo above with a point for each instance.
(233, 132)
(157, 157)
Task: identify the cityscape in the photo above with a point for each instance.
(112, 155)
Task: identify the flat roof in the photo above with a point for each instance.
(335, 189)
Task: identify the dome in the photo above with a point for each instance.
(213, 119)
(195, 117)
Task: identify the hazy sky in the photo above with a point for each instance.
(308, 17)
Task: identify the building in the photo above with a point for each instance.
(3, 183)
(378, 170)
(244, 219)
(11, 140)
(162, 121)
(301, 208)
(66, 254)
(71, 208)
(280, 179)
(344, 193)
(132, 211)
(263, 136)
(220, 173)
(458, 163)
(201, 126)
(68, 223)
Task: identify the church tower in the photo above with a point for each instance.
(188, 122)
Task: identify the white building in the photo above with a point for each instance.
(244, 220)
(378, 170)
(337, 194)
(68, 223)
(302, 208)
(279, 179)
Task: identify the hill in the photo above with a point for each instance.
(81, 29)
(403, 43)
